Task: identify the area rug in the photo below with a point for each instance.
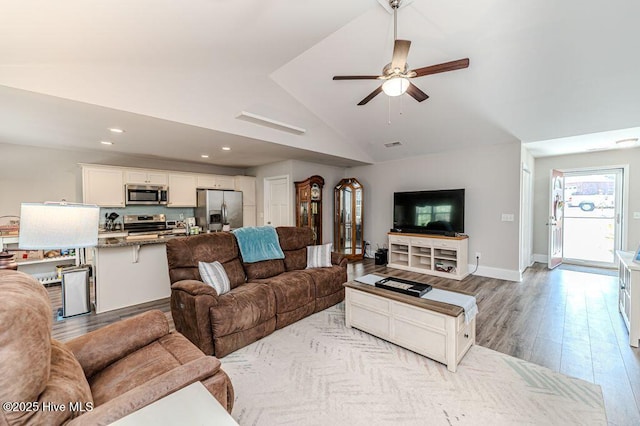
(318, 372)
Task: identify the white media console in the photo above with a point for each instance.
(429, 254)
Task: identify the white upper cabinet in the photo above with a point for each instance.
(215, 182)
(103, 186)
(182, 190)
(146, 177)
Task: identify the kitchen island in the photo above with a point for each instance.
(130, 271)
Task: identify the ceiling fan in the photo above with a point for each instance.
(395, 75)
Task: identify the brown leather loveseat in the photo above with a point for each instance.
(264, 296)
(96, 378)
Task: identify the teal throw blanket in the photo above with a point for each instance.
(258, 243)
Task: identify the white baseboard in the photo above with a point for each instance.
(499, 273)
(540, 258)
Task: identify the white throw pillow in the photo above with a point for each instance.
(319, 256)
(214, 274)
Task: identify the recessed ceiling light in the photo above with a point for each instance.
(626, 142)
(226, 148)
(115, 130)
(106, 142)
(204, 155)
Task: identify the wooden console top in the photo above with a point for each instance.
(441, 308)
(406, 234)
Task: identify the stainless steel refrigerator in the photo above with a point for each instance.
(216, 208)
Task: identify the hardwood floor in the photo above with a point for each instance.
(565, 319)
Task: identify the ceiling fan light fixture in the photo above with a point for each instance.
(395, 86)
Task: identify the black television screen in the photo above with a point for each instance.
(429, 212)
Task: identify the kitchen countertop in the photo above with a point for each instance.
(123, 242)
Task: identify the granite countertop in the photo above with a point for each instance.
(124, 242)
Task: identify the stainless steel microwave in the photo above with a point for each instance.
(146, 194)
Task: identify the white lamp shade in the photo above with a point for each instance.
(58, 226)
(395, 86)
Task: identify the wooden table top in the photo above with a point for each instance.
(440, 307)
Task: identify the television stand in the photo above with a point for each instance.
(429, 254)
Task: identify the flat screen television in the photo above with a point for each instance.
(429, 212)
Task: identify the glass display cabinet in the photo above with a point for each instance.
(347, 226)
(309, 205)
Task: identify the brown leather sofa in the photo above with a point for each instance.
(264, 296)
(107, 373)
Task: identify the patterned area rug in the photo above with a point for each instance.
(318, 372)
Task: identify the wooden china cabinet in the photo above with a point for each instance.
(347, 219)
(309, 205)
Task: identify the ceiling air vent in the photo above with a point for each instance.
(392, 144)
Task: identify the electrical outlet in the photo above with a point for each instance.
(478, 255)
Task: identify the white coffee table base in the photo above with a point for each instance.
(438, 336)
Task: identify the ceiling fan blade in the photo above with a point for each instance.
(416, 93)
(371, 96)
(444, 67)
(400, 53)
(355, 77)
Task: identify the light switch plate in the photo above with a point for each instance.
(507, 217)
(636, 215)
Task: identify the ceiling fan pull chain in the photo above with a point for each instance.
(389, 111)
(395, 22)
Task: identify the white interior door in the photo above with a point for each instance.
(277, 204)
(556, 214)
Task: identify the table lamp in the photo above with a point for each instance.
(63, 226)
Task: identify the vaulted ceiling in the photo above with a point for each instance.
(176, 76)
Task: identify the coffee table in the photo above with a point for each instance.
(191, 405)
(434, 329)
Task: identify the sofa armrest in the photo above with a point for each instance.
(97, 349)
(191, 303)
(195, 288)
(339, 259)
(151, 391)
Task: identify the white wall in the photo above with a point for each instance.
(281, 168)
(33, 174)
(491, 178)
(543, 168)
(490, 175)
(297, 171)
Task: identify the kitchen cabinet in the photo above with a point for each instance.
(182, 190)
(248, 216)
(247, 185)
(146, 177)
(103, 186)
(215, 182)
